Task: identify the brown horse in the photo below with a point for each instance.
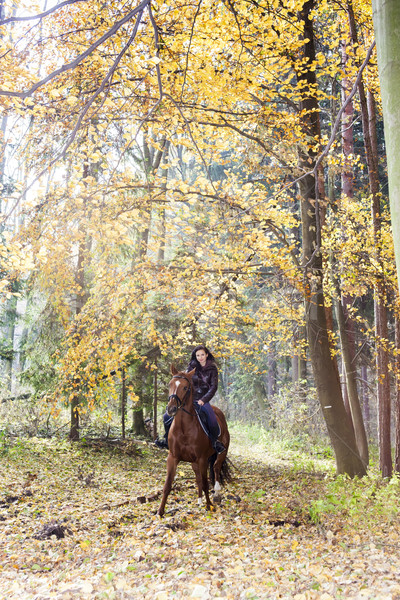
(187, 441)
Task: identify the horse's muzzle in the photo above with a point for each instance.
(172, 410)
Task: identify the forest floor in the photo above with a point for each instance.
(80, 522)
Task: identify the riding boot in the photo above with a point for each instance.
(162, 442)
(218, 447)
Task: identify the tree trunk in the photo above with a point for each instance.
(324, 367)
(272, 373)
(365, 397)
(81, 299)
(380, 306)
(382, 359)
(155, 398)
(299, 363)
(138, 422)
(347, 133)
(386, 16)
(303, 364)
(295, 369)
(9, 335)
(346, 327)
(162, 216)
(384, 402)
(350, 373)
(397, 401)
(3, 129)
(123, 402)
(74, 426)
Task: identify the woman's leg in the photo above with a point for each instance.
(163, 442)
(167, 423)
(213, 427)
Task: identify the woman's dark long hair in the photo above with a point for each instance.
(193, 360)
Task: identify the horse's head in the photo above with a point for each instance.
(180, 390)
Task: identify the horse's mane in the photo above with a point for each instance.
(184, 374)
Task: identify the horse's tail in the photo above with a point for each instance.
(225, 473)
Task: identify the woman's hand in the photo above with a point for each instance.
(200, 402)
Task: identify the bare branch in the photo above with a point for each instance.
(343, 108)
(82, 114)
(248, 136)
(74, 63)
(188, 50)
(41, 15)
(104, 83)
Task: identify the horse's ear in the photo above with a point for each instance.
(173, 370)
(191, 373)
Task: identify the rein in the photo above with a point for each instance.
(180, 403)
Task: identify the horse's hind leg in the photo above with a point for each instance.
(219, 466)
(217, 472)
(171, 470)
(200, 470)
(219, 461)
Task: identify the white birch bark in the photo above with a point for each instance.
(386, 16)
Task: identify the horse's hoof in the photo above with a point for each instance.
(217, 498)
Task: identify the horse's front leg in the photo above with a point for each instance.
(172, 463)
(200, 469)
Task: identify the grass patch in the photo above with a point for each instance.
(307, 467)
(296, 453)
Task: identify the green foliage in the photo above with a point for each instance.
(321, 507)
(10, 445)
(4, 442)
(40, 341)
(364, 501)
(6, 349)
(361, 502)
(40, 376)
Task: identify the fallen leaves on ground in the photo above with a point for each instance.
(79, 522)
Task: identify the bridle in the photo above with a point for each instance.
(180, 402)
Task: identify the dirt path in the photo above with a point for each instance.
(259, 543)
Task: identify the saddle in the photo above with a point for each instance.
(202, 418)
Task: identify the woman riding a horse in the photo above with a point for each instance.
(205, 385)
(188, 440)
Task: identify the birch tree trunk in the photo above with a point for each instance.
(386, 16)
(381, 328)
(397, 398)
